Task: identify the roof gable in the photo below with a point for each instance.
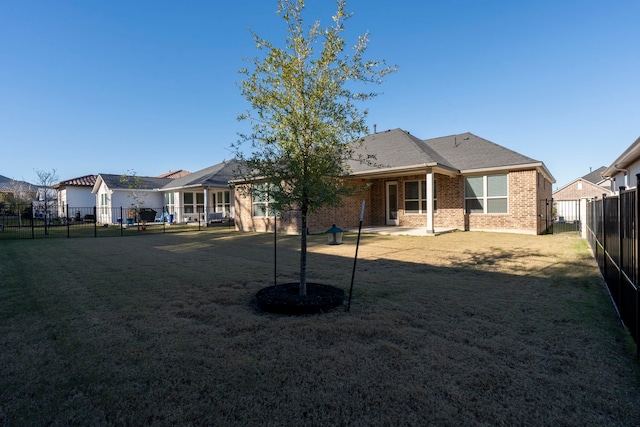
(217, 175)
(114, 182)
(83, 181)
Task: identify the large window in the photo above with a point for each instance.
(169, 202)
(223, 202)
(104, 202)
(261, 202)
(415, 197)
(486, 194)
(200, 203)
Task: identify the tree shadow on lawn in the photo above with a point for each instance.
(460, 340)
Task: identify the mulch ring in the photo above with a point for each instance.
(286, 299)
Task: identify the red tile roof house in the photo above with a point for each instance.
(76, 193)
(457, 182)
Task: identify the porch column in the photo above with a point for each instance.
(206, 204)
(429, 178)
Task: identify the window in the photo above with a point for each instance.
(200, 202)
(415, 197)
(223, 203)
(260, 201)
(169, 201)
(188, 202)
(486, 194)
(103, 203)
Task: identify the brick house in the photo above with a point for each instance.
(589, 186)
(566, 200)
(457, 182)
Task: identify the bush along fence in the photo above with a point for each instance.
(614, 235)
(32, 221)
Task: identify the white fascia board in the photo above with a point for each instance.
(537, 165)
(404, 169)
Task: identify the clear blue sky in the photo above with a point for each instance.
(100, 86)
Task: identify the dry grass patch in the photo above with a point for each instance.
(461, 329)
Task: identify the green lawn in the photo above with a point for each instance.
(460, 329)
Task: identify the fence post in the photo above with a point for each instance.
(636, 274)
(621, 263)
(33, 220)
(66, 220)
(546, 215)
(604, 237)
(95, 221)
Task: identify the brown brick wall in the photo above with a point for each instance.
(572, 192)
(527, 193)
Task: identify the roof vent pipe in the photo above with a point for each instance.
(374, 129)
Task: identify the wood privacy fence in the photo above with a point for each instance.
(613, 233)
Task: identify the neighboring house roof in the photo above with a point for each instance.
(217, 175)
(114, 182)
(83, 181)
(592, 179)
(397, 149)
(595, 177)
(174, 174)
(630, 155)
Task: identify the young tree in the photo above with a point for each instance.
(305, 123)
(46, 179)
(133, 182)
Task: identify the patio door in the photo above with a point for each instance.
(392, 203)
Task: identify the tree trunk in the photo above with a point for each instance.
(303, 253)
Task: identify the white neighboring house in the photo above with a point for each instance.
(115, 199)
(75, 193)
(204, 195)
(622, 172)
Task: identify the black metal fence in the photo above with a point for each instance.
(614, 236)
(566, 216)
(32, 221)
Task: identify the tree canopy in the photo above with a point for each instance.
(304, 117)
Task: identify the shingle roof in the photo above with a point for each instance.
(595, 176)
(397, 148)
(83, 181)
(174, 174)
(145, 182)
(467, 151)
(217, 175)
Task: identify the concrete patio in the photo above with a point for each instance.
(401, 231)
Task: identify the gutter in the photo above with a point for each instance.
(411, 168)
(512, 167)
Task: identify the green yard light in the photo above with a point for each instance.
(335, 235)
